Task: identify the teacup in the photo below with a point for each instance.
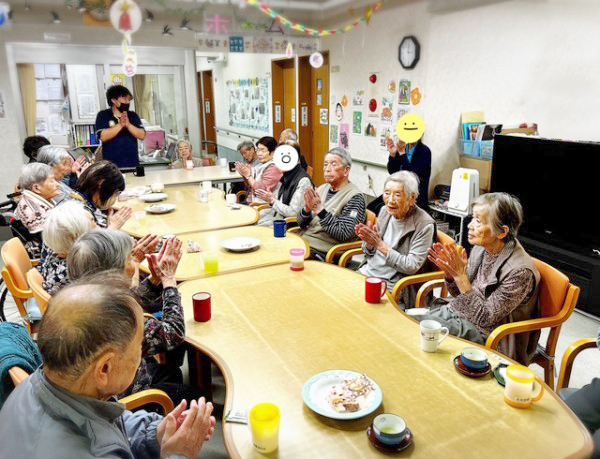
(389, 429)
(430, 335)
(474, 359)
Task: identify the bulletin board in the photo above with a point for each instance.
(249, 103)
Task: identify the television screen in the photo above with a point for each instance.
(554, 181)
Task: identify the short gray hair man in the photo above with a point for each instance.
(64, 225)
(32, 174)
(245, 144)
(52, 155)
(99, 250)
(342, 153)
(408, 180)
(288, 134)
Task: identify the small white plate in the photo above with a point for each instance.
(153, 197)
(240, 244)
(416, 312)
(160, 208)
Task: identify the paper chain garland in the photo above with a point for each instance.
(316, 32)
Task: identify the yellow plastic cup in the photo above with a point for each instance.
(211, 262)
(264, 421)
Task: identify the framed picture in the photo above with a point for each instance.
(319, 100)
(319, 85)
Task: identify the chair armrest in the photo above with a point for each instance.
(294, 230)
(240, 195)
(347, 256)
(341, 248)
(413, 280)
(261, 207)
(35, 262)
(13, 289)
(569, 356)
(427, 288)
(147, 397)
(291, 220)
(17, 375)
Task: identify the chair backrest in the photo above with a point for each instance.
(310, 171)
(371, 217)
(208, 162)
(36, 283)
(553, 289)
(17, 262)
(444, 238)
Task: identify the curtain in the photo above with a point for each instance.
(28, 95)
(142, 92)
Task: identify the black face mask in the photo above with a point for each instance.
(123, 107)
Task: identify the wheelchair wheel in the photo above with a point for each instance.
(3, 293)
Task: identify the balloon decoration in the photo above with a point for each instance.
(317, 32)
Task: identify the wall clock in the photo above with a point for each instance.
(409, 52)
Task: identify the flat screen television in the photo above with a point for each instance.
(555, 182)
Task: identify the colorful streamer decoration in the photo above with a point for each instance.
(317, 32)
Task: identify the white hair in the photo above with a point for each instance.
(342, 153)
(290, 134)
(52, 155)
(64, 225)
(33, 173)
(408, 180)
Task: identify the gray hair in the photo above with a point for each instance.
(408, 180)
(99, 250)
(503, 210)
(246, 144)
(290, 134)
(52, 155)
(64, 225)
(33, 173)
(186, 142)
(342, 153)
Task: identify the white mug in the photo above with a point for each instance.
(430, 335)
(223, 162)
(203, 195)
(231, 199)
(207, 185)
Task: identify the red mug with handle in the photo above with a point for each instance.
(374, 290)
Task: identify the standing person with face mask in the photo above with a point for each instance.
(119, 129)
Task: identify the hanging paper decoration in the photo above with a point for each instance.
(289, 50)
(126, 17)
(316, 60)
(344, 101)
(187, 12)
(415, 96)
(316, 32)
(130, 63)
(216, 25)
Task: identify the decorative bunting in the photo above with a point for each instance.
(316, 32)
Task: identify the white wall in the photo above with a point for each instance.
(517, 61)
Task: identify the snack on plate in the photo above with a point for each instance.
(193, 247)
(351, 395)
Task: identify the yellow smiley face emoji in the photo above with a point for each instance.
(410, 128)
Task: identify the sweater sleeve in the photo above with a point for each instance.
(342, 228)
(168, 333)
(488, 312)
(416, 256)
(269, 180)
(394, 163)
(297, 201)
(141, 432)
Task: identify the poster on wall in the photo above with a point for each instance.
(385, 133)
(400, 112)
(339, 112)
(333, 134)
(358, 98)
(278, 113)
(370, 129)
(324, 116)
(304, 116)
(319, 100)
(387, 104)
(344, 136)
(357, 123)
(248, 99)
(404, 92)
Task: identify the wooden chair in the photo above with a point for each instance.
(338, 249)
(557, 299)
(208, 162)
(569, 357)
(36, 281)
(17, 264)
(310, 171)
(131, 402)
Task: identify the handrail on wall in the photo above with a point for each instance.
(240, 135)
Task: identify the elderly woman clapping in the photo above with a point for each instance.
(496, 284)
(64, 225)
(104, 250)
(397, 246)
(62, 165)
(184, 152)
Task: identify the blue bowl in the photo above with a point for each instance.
(474, 358)
(389, 429)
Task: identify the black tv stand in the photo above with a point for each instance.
(582, 270)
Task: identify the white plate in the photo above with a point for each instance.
(316, 392)
(240, 244)
(160, 208)
(153, 197)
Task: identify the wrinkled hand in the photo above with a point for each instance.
(144, 246)
(312, 201)
(369, 234)
(187, 438)
(163, 265)
(78, 165)
(117, 219)
(243, 169)
(450, 258)
(394, 149)
(265, 195)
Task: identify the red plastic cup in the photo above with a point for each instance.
(202, 309)
(374, 290)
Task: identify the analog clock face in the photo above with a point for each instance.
(409, 52)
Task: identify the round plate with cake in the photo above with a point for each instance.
(342, 394)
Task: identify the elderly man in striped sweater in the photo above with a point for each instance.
(332, 211)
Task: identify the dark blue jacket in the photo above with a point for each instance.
(420, 165)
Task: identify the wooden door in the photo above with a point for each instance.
(283, 75)
(320, 132)
(207, 112)
(305, 109)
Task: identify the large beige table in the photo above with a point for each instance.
(184, 176)
(274, 329)
(273, 250)
(190, 216)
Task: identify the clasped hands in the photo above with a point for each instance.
(243, 169)
(312, 201)
(394, 149)
(370, 235)
(265, 195)
(453, 261)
